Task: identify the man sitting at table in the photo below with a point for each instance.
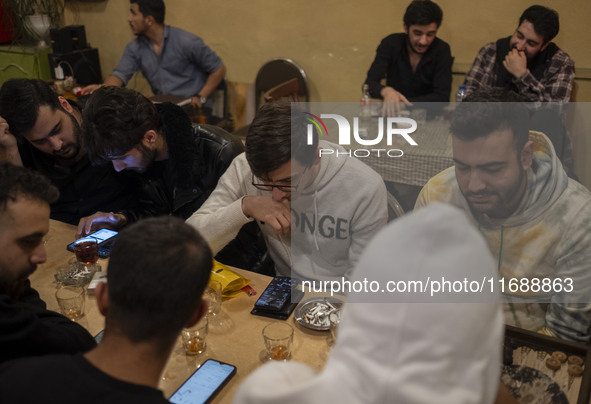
(416, 64)
(179, 164)
(536, 220)
(157, 273)
(41, 130)
(27, 328)
(317, 211)
(528, 62)
(173, 61)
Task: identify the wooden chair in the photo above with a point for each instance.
(276, 72)
(288, 89)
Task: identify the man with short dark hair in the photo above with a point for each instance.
(528, 62)
(41, 130)
(536, 220)
(316, 212)
(416, 64)
(27, 328)
(174, 61)
(158, 271)
(179, 164)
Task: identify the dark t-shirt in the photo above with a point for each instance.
(27, 328)
(430, 82)
(68, 379)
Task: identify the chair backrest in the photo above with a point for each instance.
(276, 72)
(289, 90)
(394, 208)
(220, 100)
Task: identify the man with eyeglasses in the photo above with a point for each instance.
(178, 163)
(27, 328)
(316, 213)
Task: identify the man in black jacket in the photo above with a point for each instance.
(179, 164)
(27, 328)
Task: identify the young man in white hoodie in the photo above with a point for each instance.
(535, 219)
(316, 213)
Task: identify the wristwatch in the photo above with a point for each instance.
(202, 99)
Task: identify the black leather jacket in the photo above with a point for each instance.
(181, 184)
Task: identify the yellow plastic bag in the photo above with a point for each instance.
(232, 283)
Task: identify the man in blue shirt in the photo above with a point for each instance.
(173, 61)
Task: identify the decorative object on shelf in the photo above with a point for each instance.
(32, 19)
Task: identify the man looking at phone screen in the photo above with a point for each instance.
(178, 164)
(158, 271)
(27, 328)
(41, 130)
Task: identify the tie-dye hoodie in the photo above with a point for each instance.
(548, 237)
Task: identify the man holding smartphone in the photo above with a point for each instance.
(41, 130)
(178, 163)
(158, 271)
(27, 328)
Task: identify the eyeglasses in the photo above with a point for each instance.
(283, 188)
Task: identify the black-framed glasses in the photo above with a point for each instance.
(283, 188)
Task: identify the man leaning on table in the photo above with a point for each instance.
(416, 64)
(158, 270)
(179, 164)
(535, 219)
(27, 328)
(316, 213)
(41, 130)
(174, 61)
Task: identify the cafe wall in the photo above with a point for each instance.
(335, 40)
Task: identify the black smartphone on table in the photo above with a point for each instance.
(204, 383)
(279, 298)
(105, 239)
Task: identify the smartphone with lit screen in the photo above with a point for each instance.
(105, 239)
(204, 383)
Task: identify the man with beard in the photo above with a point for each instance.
(173, 61)
(40, 130)
(415, 64)
(26, 327)
(178, 164)
(526, 62)
(535, 219)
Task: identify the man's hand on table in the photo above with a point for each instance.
(394, 102)
(265, 209)
(516, 63)
(100, 220)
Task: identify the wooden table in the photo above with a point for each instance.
(238, 341)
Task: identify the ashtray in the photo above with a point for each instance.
(315, 313)
(76, 273)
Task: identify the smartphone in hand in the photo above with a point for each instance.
(204, 383)
(105, 239)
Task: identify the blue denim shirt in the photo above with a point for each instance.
(181, 69)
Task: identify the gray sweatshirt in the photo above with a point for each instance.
(333, 217)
